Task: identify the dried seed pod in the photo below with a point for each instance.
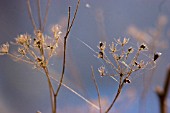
(156, 56)
(130, 50)
(136, 63)
(102, 46)
(143, 47)
(121, 74)
(141, 64)
(101, 70)
(113, 48)
(100, 54)
(124, 42)
(126, 80)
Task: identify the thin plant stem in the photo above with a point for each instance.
(15, 57)
(121, 84)
(39, 14)
(64, 61)
(97, 89)
(78, 3)
(68, 23)
(30, 15)
(65, 45)
(46, 15)
(50, 89)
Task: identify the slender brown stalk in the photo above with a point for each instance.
(64, 61)
(68, 23)
(65, 42)
(162, 94)
(97, 89)
(52, 93)
(30, 15)
(65, 45)
(121, 84)
(39, 14)
(78, 3)
(46, 15)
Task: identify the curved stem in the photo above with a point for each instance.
(97, 89)
(121, 84)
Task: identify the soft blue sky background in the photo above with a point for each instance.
(24, 90)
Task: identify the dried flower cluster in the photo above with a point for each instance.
(4, 49)
(125, 65)
(126, 61)
(37, 49)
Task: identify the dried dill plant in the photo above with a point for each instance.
(126, 60)
(40, 48)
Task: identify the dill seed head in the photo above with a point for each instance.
(156, 56)
(124, 42)
(126, 80)
(113, 48)
(101, 70)
(100, 54)
(23, 39)
(136, 63)
(141, 64)
(4, 49)
(130, 50)
(143, 47)
(102, 46)
(37, 43)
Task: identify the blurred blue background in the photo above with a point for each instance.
(24, 90)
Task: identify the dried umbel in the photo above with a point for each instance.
(123, 54)
(125, 61)
(37, 49)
